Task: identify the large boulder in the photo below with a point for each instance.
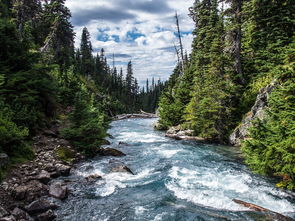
(111, 152)
(4, 159)
(39, 206)
(257, 112)
(19, 214)
(58, 190)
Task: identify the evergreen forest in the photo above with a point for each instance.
(239, 48)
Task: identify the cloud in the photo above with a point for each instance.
(84, 16)
(139, 30)
(150, 6)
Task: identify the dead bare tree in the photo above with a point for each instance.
(180, 42)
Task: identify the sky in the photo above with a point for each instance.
(143, 31)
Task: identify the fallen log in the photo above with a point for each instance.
(135, 115)
(272, 214)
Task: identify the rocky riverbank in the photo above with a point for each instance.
(24, 191)
(178, 133)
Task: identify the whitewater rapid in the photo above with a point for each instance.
(174, 180)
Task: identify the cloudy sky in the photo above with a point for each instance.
(143, 31)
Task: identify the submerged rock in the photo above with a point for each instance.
(121, 143)
(122, 169)
(257, 112)
(58, 190)
(93, 178)
(111, 152)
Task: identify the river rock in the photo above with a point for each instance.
(121, 143)
(39, 206)
(122, 169)
(47, 216)
(111, 152)
(93, 178)
(19, 214)
(3, 212)
(29, 191)
(257, 112)
(4, 159)
(58, 190)
(44, 177)
(63, 170)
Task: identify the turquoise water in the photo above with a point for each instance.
(174, 180)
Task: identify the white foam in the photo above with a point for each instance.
(139, 210)
(160, 216)
(217, 189)
(168, 153)
(140, 137)
(113, 181)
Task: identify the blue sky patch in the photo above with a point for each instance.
(132, 35)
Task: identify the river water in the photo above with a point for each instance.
(174, 180)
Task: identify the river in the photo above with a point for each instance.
(174, 180)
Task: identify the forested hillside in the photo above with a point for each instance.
(239, 47)
(43, 78)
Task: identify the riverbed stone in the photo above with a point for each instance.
(58, 190)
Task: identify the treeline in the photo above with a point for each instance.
(235, 53)
(43, 78)
(150, 95)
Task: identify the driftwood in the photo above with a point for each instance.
(270, 213)
(142, 114)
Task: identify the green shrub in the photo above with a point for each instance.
(271, 148)
(88, 127)
(12, 137)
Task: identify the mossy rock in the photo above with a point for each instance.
(65, 154)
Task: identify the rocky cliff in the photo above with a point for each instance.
(257, 112)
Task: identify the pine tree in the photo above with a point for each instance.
(87, 67)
